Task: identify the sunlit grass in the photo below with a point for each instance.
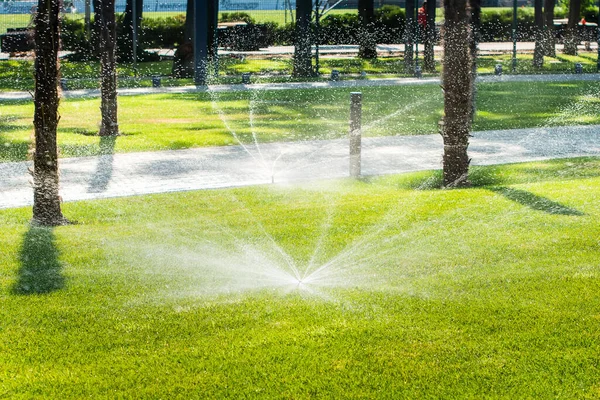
(161, 122)
(485, 292)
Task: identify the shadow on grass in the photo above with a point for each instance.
(507, 174)
(536, 202)
(104, 167)
(40, 270)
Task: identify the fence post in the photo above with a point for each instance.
(355, 133)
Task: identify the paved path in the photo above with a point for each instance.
(10, 96)
(207, 168)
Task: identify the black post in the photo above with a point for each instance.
(200, 41)
(355, 133)
(514, 36)
(598, 29)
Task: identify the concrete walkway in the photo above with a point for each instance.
(116, 175)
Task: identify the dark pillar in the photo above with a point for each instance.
(201, 18)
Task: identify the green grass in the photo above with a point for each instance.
(489, 292)
(18, 74)
(176, 121)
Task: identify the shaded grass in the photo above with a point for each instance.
(177, 121)
(441, 294)
(18, 75)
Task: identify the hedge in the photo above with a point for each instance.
(496, 25)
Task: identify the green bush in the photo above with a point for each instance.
(496, 25)
(165, 33)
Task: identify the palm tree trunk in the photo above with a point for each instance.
(538, 52)
(457, 77)
(366, 14)
(183, 60)
(429, 38)
(475, 7)
(571, 39)
(549, 39)
(409, 37)
(302, 40)
(108, 74)
(46, 200)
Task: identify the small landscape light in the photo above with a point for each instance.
(246, 78)
(498, 69)
(335, 75)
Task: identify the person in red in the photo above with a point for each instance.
(422, 16)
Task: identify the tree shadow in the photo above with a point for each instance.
(104, 167)
(535, 202)
(40, 270)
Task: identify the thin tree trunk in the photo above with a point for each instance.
(549, 38)
(409, 37)
(571, 39)
(457, 77)
(366, 15)
(108, 74)
(538, 52)
(475, 7)
(302, 40)
(46, 200)
(429, 38)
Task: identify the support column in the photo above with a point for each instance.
(200, 42)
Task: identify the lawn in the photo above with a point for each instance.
(176, 121)
(409, 291)
(17, 75)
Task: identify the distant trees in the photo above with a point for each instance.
(457, 76)
(46, 200)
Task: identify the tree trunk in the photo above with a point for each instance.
(46, 200)
(105, 14)
(538, 52)
(571, 39)
(429, 38)
(475, 7)
(302, 40)
(366, 15)
(183, 60)
(409, 37)
(457, 77)
(549, 38)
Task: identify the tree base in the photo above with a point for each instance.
(183, 61)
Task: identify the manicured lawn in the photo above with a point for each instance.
(489, 292)
(159, 122)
